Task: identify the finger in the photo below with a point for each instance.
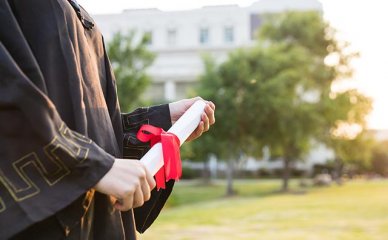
(138, 198)
(200, 129)
(212, 105)
(145, 187)
(124, 204)
(210, 114)
(150, 180)
(197, 132)
(205, 121)
(197, 98)
(191, 101)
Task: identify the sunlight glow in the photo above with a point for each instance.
(346, 131)
(360, 22)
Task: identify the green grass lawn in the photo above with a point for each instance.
(356, 211)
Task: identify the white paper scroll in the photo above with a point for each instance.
(186, 124)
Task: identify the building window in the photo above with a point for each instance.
(204, 36)
(171, 36)
(148, 37)
(229, 34)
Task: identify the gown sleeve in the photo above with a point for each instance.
(44, 165)
(158, 116)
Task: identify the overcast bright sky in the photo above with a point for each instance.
(361, 22)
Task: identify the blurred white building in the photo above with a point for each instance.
(180, 38)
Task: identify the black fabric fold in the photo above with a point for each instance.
(158, 116)
(41, 158)
(60, 126)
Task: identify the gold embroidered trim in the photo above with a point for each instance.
(65, 150)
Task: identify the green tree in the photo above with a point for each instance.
(229, 139)
(278, 93)
(130, 60)
(289, 118)
(347, 135)
(313, 109)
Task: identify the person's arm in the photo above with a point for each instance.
(160, 116)
(44, 165)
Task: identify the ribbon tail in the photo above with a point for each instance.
(171, 155)
(172, 168)
(160, 178)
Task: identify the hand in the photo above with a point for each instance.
(129, 182)
(177, 109)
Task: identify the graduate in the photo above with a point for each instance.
(63, 139)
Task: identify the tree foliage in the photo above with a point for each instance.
(278, 93)
(130, 59)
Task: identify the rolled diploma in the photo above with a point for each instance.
(186, 124)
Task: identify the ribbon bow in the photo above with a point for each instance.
(172, 168)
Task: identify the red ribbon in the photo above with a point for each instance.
(172, 168)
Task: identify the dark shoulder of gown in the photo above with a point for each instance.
(61, 127)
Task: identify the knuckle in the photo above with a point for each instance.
(142, 175)
(147, 197)
(129, 191)
(137, 184)
(142, 167)
(141, 202)
(138, 203)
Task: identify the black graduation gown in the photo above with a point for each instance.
(61, 127)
